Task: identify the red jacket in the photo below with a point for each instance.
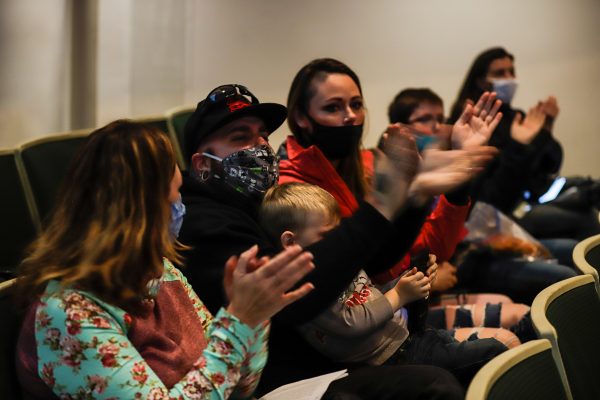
(442, 231)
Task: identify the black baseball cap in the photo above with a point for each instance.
(224, 104)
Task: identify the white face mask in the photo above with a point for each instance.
(505, 89)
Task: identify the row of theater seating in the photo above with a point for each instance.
(32, 174)
(565, 362)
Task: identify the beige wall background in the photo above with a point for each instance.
(73, 63)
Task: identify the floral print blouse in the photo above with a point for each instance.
(84, 352)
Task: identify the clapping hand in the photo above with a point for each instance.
(477, 123)
(441, 171)
(524, 130)
(395, 168)
(256, 295)
(550, 107)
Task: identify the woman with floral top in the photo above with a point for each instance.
(110, 317)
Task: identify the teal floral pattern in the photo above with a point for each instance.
(84, 353)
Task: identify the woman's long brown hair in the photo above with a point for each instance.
(109, 231)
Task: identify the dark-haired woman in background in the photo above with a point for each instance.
(529, 160)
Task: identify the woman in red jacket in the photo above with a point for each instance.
(326, 114)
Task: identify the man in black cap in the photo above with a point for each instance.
(231, 166)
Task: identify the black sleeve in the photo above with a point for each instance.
(459, 196)
(544, 164)
(367, 241)
(504, 180)
(407, 227)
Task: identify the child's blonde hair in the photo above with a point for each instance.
(286, 207)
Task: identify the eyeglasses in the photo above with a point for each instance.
(428, 119)
(225, 91)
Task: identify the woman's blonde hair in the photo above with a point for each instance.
(286, 207)
(109, 230)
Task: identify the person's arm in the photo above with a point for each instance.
(257, 353)
(355, 316)
(358, 240)
(443, 229)
(82, 348)
(503, 182)
(338, 257)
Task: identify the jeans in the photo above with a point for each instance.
(396, 382)
(548, 220)
(437, 347)
(519, 279)
(561, 249)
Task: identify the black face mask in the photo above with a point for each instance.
(336, 142)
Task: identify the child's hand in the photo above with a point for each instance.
(411, 286)
(432, 268)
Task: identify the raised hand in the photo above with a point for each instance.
(550, 107)
(524, 130)
(395, 168)
(477, 122)
(441, 171)
(258, 295)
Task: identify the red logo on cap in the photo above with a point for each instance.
(236, 105)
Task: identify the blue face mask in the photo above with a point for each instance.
(505, 89)
(177, 213)
(424, 141)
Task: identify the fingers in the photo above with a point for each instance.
(494, 123)
(480, 157)
(255, 264)
(274, 265)
(493, 112)
(245, 258)
(466, 115)
(419, 276)
(485, 150)
(293, 272)
(294, 295)
(230, 265)
(432, 269)
(431, 259)
(496, 107)
(518, 119)
(486, 109)
(285, 270)
(480, 105)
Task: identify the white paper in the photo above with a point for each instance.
(307, 389)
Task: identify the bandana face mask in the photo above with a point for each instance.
(250, 171)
